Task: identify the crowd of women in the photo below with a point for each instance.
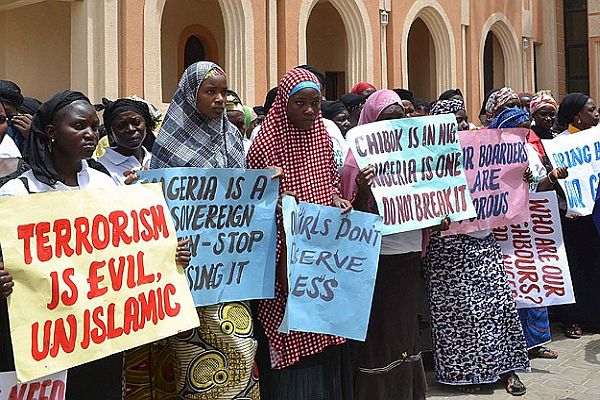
(478, 335)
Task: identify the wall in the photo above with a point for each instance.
(37, 50)
(177, 15)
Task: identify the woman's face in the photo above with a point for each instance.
(588, 116)
(544, 117)
(211, 97)
(74, 131)
(238, 119)
(393, 111)
(409, 108)
(509, 104)
(3, 122)
(342, 120)
(128, 130)
(303, 108)
(462, 119)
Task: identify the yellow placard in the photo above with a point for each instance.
(94, 274)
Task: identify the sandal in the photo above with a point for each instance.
(573, 331)
(542, 352)
(514, 386)
(470, 389)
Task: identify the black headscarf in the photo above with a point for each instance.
(448, 94)
(330, 109)
(317, 73)
(353, 101)
(113, 108)
(30, 105)
(259, 110)
(570, 106)
(37, 152)
(405, 95)
(10, 93)
(270, 99)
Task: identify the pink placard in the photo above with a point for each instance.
(495, 161)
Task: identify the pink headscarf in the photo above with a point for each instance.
(360, 87)
(541, 99)
(376, 103)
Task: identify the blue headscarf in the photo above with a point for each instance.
(510, 118)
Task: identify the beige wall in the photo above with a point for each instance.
(177, 15)
(37, 48)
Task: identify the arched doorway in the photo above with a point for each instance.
(422, 70)
(327, 47)
(494, 75)
(184, 25)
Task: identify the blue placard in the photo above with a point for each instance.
(332, 265)
(229, 216)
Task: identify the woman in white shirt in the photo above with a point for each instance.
(128, 122)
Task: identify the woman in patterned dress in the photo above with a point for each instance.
(477, 335)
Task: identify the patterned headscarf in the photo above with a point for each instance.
(309, 171)
(190, 139)
(510, 118)
(376, 103)
(305, 156)
(447, 107)
(542, 99)
(498, 99)
(360, 87)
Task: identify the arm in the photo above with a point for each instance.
(550, 180)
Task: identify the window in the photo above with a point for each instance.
(194, 51)
(576, 46)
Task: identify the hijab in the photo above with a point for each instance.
(510, 118)
(38, 150)
(447, 107)
(189, 139)
(376, 103)
(570, 106)
(498, 99)
(360, 87)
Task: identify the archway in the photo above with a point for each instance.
(494, 75)
(422, 71)
(235, 45)
(196, 43)
(503, 52)
(359, 35)
(432, 15)
(182, 19)
(327, 47)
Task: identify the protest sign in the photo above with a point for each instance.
(534, 256)
(331, 266)
(419, 177)
(495, 161)
(94, 274)
(229, 217)
(580, 153)
(51, 387)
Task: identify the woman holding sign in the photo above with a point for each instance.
(64, 134)
(579, 112)
(477, 335)
(293, 137)
(388, 364)
(215, 360)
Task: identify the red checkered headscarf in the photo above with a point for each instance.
(306, 156)
(310, 171)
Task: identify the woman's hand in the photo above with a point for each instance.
(6, 282)
(558, 173)
(183, 255)
(345, 205)
(364, 179)
(528, 176)
(278, 173)
(22, 123)
(131, 176)
(443, 226)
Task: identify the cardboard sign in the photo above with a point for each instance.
(94, 274)
(534, 256)
(332, 265)
(229, 216)
(580, 152)
(419, 176)
(53, 387)
(495, 161)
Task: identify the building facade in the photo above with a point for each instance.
(110, 48)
